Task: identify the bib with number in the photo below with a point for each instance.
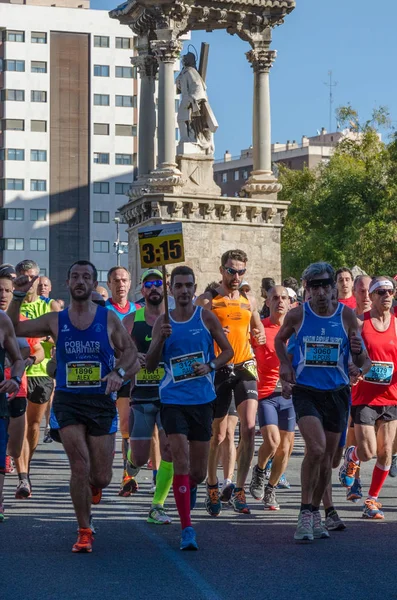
(321, 354)
(380, 372)
(145, 378)
(181, 366)
(250, 366)
(83, 374)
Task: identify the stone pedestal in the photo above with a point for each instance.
(197, 175)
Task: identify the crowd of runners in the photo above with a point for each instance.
(321, 355)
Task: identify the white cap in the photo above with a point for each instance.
(291, 292)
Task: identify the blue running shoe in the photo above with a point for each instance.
(268, 468)
(188, 539)
(193, 497)
(371, 509)
(348, 470)
(283, 484)
(354, 494)
(213, 503)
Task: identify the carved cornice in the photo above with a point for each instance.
(146, 64)
(166, 50)
(261, 59)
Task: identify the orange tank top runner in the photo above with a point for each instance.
(379, 386)
(236, 315)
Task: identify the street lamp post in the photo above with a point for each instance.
(119, 247)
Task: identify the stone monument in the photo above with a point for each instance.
(179, 186)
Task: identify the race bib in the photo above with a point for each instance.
(181, 366)
(145, 378)
(321, 354)
(250, 366)
(380, 372)
(83, 374)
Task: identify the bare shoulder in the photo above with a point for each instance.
(294, 316)
(5, 321)
(55, 306)
(205, 300)
(209, 318)
(129, 322)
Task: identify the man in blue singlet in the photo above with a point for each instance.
(186, 346)
(326, 332)
(88, 338)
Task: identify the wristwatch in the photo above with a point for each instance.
(120, 372)
(212, 365)
(17, 379)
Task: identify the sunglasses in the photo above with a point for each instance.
(231, 271)
(384, 292)
(315, 284)
(156, 283)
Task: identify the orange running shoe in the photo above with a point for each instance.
(84, 540)
(128, 485)
(96, 494)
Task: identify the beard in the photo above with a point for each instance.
(82, 297)
(155, 300)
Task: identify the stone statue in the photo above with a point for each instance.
(196, 121)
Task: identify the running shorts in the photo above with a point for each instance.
(331, 407)
(277, 410)
(125, 390)
(364, 414)
(145, 416)
(17, 407)
(193, 420)
(96, 411)
(40, 389)
(233, 380)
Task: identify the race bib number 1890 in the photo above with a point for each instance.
(321, 354)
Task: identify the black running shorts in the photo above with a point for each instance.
(330, 406)
(17, 407)
(96, 411)
(363, 414)
(40, 389)
(238, 383)
(194, 421)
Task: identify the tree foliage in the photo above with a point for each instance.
(344, 212)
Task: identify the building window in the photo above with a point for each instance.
(101, 187)
(123, 159)
(13, 244)
(101, 158)
(39, 37)
(14, 214)
(14, 65)
(101, 70)
(38, 155)
(124, 43)
(14, 154)
(12, 184)
(122, 188)
(13, 95)
(236, 175)
(38, 214)
(101, 128)
(102, 276)
(38, 96)
(129, 130)
(101, 41)
(125, 72)
(38, 244)
(224, 177)
(101, 246)
(39, 126)
(38, 66)
(245, 175)
(101, 216)
(37, 185)
(13, 125)
(14, 36)
(126, 101)
(101, 99)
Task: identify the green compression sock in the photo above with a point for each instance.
(163, 482)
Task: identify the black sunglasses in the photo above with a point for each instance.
(384, 292)
(155, 283)
(231, 271)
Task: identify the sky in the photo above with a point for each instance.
(348, 37)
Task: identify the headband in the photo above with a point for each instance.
(388, 284)
(319, 282)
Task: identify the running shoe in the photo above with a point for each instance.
(270, 500)
(92, 526)
(268, 468)
(283, 484)
(152, 489)
(257, 485)
(84, 540)
(188, 539)
(354, 494)
(333, 522)
(47, 439)
(239, 501)
(213, 504)
(128, 485)
(371, 509)
(2, 515)
(393, 468)
(227, 491)
(193, 497)
(96, 494)
(10, 466)
(23, 490)
(304, 529)
(348, 469)
(158, 516)
(320, 532)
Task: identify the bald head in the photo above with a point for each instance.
(361, 293)
(278, 301)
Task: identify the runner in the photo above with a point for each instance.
(9, 345)
(119, 283)
(276, 414)
(44, 287)
(344, 283)
(185, 345)
(237, 315)
(87, 338)
(267, 284)
(374, 398)
(40, 386)
(326, 332)
(145, 404)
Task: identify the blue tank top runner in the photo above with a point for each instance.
(189, 342)
(84, 357)
(321, 351)
(121, 315)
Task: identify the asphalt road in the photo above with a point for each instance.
(241, 556)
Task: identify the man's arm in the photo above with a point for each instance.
(204, 300)
(35, 356)
(257, 329)
(352, 325)
(216, 330)
(128, 322)
(161, 331)
(55, 306)
(46, 325)
(289, 326)
(126, 352)
(10, 386)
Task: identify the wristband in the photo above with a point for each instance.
(32, 358)
(18, 295)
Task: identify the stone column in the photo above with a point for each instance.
(147, 67)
